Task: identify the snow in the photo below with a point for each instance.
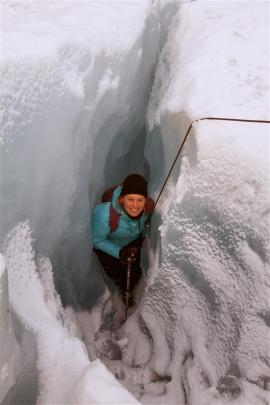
(55, 334)
(80, 101)
(52, 25)
(212, 289)
(230, 40)
(223, 73)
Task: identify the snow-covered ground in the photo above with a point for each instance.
(89, 92)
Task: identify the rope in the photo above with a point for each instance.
(186, 136)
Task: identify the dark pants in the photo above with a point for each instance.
(116, 270)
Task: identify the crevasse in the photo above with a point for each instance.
(75, 124)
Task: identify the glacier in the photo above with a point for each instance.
(82, 104)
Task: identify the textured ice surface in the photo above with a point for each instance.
(207, 308)
(72, 122)
(209, 300)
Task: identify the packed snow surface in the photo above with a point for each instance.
(80, 101)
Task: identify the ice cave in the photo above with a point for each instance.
(92, 91)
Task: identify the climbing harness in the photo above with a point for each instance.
(186, 136)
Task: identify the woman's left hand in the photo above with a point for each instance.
(129, 253)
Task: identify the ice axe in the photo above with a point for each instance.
(129, 260)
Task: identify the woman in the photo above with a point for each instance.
(114, 248)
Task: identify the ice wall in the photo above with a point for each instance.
(207, 305)
(73, 105)
(10, 362)
(76, 77)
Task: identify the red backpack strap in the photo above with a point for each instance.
(113, 219)
(108, 194)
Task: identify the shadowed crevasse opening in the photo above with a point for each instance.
(114, 147)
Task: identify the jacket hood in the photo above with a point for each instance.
(115, 197)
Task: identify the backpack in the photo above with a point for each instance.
(114, 216)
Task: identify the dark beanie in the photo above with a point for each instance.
(134, 184)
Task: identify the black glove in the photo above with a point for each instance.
(137, 243)
(129, 253)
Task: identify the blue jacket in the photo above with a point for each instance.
(127, 231)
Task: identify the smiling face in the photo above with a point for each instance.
(134, 204)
